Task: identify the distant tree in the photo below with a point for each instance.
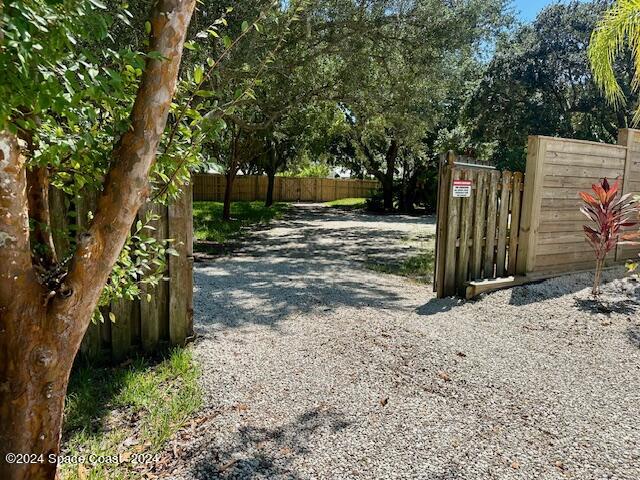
(539, 82)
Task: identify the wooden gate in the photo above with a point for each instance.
(476, 235)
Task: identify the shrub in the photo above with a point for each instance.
(611, 213)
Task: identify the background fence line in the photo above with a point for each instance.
(286, 189)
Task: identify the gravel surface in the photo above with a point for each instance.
(316, 367)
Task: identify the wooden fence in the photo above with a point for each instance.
(147, 326)
(476, 236)
(286, 189)
(512, 230)
(557, 169)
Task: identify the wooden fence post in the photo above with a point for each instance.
(442, 208)
(531, 203)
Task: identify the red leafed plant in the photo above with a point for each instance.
(611, 213)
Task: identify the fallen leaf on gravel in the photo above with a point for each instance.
(444, 376)
(242, 407)
(560, 465)
(286, 451)
(515, 465)
(227, 465)
(384, 401)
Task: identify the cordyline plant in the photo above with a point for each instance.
(611, 213)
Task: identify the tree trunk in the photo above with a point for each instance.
(387, 184)
(387, 193)
(41, 329)
(228, 191)
(271, 182)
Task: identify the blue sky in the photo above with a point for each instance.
(528, 9)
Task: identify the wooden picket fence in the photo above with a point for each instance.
(141, 325)
(287, 189)
(477, 236)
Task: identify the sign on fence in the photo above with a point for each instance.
(461, 188)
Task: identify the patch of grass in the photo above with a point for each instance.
(418, 268)
(127, 410)
(209, 226)
(348, 203)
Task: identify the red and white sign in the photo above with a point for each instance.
(461, 188)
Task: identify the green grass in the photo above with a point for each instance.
(209, 226)
(126, 410)
(348, 203)
(419, 267)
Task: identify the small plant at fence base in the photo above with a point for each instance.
(611, 213)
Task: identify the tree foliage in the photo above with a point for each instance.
(539, 83)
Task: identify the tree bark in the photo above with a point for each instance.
(41, 331)
(38, 198)
(271, 182)
(387, 184)
(228, 191)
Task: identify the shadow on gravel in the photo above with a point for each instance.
(439, 305)
(633, 334)
(258, 452)
(595, 306)
(272, 275)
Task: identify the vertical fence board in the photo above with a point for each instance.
(466, 230)
(514, 228)
(179, 284)
(479, 216)
(453, 223)
(503, 223)
(444, 186)
(121, 329)
(155, 310)
(492, 211)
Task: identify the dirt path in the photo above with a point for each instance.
(317, 367)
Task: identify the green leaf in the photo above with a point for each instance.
(245, 26)
(198, 72)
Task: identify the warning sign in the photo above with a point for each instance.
(461, 188)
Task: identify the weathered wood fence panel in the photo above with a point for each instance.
(527, 227)
(165, 320)
(286, 189)
(557, 170)
(474, 238)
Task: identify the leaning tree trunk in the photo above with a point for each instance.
(271, 182)
(41, 328)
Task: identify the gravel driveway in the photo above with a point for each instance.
(316, 367)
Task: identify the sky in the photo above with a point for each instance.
(528, 9)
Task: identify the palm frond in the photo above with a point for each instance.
(619, 28)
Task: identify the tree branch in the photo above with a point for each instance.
(38, 197)
(15, 254)
(127, 183)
